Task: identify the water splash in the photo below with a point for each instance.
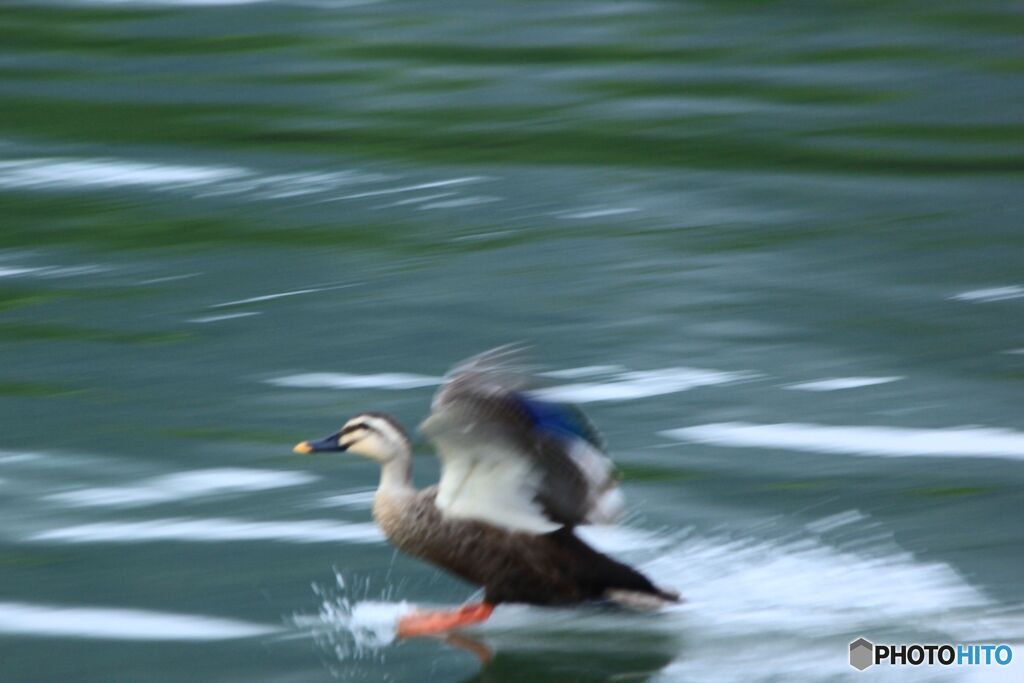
(355, 620)
(785, 604)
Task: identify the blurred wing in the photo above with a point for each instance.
(514, 460)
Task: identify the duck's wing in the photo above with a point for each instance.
(513, 460)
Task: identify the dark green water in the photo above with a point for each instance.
(775, 251)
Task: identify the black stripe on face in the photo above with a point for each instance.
(356, 427)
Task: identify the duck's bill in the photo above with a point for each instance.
(328, 443)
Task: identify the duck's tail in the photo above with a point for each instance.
(608, 579)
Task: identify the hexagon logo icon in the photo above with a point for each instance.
(862, 654)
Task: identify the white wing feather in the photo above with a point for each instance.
(491, 486)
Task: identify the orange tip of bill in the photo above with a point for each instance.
(303, 448)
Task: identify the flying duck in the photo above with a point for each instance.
(518, 474)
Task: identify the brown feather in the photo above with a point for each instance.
(548, 569)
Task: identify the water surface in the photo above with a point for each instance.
(774, 251)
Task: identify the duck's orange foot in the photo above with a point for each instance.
(441, 621)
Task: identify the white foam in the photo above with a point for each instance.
(839, 383)
(344, 380)
(182, 486)
(874, 441)
(991, 294)
(213, 530)
(25, 619)
(218, 318)
(628, 386)
(46, 173)
(809, 597)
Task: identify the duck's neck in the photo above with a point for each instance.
(396, 476)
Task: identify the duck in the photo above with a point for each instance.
(518, 474)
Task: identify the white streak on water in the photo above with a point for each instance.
(13, 271)
(342, 380)
(51, 271)
(418, 200)
(84, 173)
(836, 521)
(599, 213)
(991, 294)
(585, 371)
(459, 203)
(361, 500)
(213, 530)
(629, 386)
(481, 236)
(169, 278)
(9, 457)
(874, 441)
(271, 297)
(410, 188)
(226, 316)
(838, 383)
(104, 623)
(183, 486)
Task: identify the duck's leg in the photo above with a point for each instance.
(440, 621)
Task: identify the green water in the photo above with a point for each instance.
(706, 206)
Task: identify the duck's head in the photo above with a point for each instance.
(377, 436)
